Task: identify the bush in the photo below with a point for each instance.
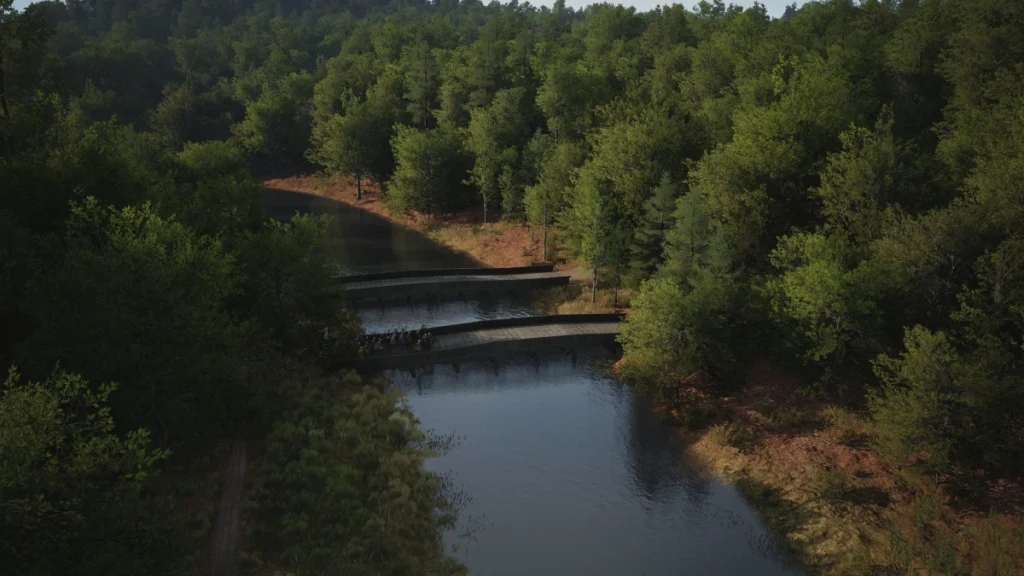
(732, 434)
(342, 487)
(74, 495)
(672, 334)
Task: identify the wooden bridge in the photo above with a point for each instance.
(451, 282)
(491, 338)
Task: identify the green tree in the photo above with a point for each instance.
(357, 143)
(544, 200)
(594, 227)
(917, 407)
(215, 195)
(289, 285)
(686, 244)
(496, 136)
(658, 219)
(421, 82)
(276, 127)
(73, 493)
(385, 512)
(757, 185)
(140, 300)
(829, 292)
(569, 96)
(432, 173)
(676, 333)
(23, 36)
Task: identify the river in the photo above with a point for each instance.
(566, 472)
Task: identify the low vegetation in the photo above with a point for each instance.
(340, 487)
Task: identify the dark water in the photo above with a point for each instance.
(365, 242)
(386, 318)
(570, 473)
(567, 472)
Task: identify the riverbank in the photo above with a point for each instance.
(809, 469)
(807, 465)
(495, 244)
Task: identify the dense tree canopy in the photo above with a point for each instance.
(842, 188)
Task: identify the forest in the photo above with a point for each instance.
(840, 189)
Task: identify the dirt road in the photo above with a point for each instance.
(229, 512)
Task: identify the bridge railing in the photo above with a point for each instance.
(526, 321)
(395, 274)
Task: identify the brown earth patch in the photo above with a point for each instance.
(809, 467)
(495, 243)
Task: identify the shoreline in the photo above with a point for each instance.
(806, 466)
(497, 244)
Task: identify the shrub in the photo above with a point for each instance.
(342, 486)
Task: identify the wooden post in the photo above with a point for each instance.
(544, 219)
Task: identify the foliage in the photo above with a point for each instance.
(214, 194)
(73, 492)
(342, 487)
(289, 284)
(842, 185)
(140, 300)
(826, 292)
(355, 143)
(432, 167)
(496, 133)
(658, 218)
(673, 334)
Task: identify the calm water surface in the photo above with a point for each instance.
(567, 472)
(570, 473)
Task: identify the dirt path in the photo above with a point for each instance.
(229, 512)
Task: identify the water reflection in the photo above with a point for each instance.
(413, 316)
(364, 242)
(572, 475)
(567, 471)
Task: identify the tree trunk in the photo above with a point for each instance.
(545, 220)
(544, 242)
(3, 92)
(5, 110)
(593, 287)
(359, 187)
(615, 298)
(485, 210)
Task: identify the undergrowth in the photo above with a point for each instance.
(340, 487)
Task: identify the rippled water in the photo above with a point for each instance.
(567, 472)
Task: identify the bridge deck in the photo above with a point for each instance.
(494, 335)
(493, 341)
(393, 282)
(452, 284)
